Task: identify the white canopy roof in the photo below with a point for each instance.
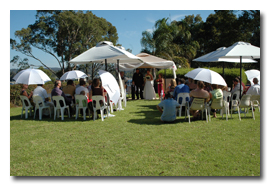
(149, 61)
(210, 57)
(246, 50)
(105, 50)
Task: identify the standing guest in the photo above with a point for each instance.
(216, 93)
(169, 107)
(160, 83)
(70, 88)
(40, 91)
(24, 93)
(138, 80)
(254, 89)
(199, 92)
(180, 88)
(58, 92)
(133, 90)
(82, 87)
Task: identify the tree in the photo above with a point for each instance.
(64, 35)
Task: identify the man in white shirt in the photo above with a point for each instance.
(254, 89)
(40, 91)
(82, 88)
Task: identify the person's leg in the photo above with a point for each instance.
(137, 92)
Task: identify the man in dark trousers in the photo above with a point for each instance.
(138, 80)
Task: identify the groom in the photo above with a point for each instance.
(138, 80)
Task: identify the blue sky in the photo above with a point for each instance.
(129, 24)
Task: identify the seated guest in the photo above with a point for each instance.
(216, 93)
(180, 88)
(70, 88)
(248, 85)
(82, 87)
(58, 92)
(254, 89)
(191, 84)
(24, 93)
(169, 106)
(40, 91)
(199, 92)
(89, 85)
(207, 87)
(222, 87)
(236, 86)
(95, 90)
(171, 86)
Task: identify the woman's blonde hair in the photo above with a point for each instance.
(173, 83)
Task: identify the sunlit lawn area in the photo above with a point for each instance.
(134, 143)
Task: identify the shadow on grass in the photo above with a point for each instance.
(149, 115)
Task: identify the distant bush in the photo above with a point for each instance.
(230, 74)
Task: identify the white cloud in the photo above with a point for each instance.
(176, 17)
(151, 20)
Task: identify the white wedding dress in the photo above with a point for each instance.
(149, 91)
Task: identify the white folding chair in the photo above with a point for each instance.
(217, 104)
(243, 103)
(185, 102)
(81, 103)
(227, 99)
(97, 106)
(198, 104)
(26, 106)
(255, 102)
(40, 105)
(60, 104)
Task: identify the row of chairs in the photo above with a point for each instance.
(60, 106)
(246, 102)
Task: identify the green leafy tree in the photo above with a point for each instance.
(64, 35)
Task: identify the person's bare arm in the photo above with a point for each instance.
(160, 110)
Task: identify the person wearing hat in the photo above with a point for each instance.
(138, 80)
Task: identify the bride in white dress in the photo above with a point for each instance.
(149, 91)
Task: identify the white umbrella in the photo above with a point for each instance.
(110, 85)
(105, 51)
(251, 74)
(31, 77)
(241, 50)
(74, 74)
(206, 75)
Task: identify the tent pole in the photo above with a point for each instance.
(240, 76)
(118, 65)
(165, 79)
(223, 69)
(105, 64)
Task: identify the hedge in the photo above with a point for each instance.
(230, 74)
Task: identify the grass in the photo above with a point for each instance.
(134, 143)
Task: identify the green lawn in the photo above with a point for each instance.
(134, 143)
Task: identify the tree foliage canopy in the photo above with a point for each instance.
(64, 35)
